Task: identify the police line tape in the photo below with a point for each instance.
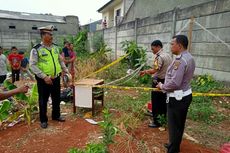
(195, 94)
(107, 66)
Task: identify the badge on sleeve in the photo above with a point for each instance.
(176, 65)
(156, 66)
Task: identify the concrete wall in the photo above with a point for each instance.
(147, 8)
(23, 35)
(23, 40)
(210, 55)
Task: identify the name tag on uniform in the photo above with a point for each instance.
(176, 65)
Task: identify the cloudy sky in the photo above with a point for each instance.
(86, 10)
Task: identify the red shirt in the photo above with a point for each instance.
(15, 60)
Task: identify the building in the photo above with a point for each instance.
(93, 26)
(21, 29)
(129, 10)
(114, 11)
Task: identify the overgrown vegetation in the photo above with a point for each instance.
(205, 83)
(202, 108)
(79, 41)
(29, 104)
(137, 54)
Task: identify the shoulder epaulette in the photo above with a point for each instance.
(37, 46)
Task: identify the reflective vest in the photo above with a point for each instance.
(48, 61)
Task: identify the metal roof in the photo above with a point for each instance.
(107, 4)
(31, 16)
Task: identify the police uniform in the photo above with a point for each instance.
(46, 61)
(179, 97)
(161, 63)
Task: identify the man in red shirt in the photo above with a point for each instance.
(15, 63)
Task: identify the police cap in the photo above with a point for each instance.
(47, 29)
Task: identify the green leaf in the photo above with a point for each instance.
(6, 106)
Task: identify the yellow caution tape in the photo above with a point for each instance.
(195, 94)
(107, 66)
(127, 88)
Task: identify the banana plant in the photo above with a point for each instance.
(30, 100)
(10, 86)
(4, 110)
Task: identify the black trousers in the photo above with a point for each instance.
(177, 112)
(44, 91)
(158, 100)
(15, 75)
(2, 78)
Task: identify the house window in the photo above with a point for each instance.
(12, 27)
(118, 12)
(34, 28)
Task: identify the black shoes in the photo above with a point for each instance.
(60, 119)
(153, 125)
(44, 125)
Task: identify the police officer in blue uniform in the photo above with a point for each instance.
(179, 94)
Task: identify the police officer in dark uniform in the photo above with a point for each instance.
(46, 64)
(179, 93)
(161, 62)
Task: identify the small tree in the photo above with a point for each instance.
(137, 55)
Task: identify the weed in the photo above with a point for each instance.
(109, 130)
(205, 83)
(137, 55)
(202, 109)
(90, 148)
(4, 110)
(162, 119)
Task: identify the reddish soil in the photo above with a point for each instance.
(57, 138)
(145, 139)
(76, 132)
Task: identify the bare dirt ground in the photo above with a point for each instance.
(76, 132)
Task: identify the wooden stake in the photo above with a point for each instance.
(190, 34)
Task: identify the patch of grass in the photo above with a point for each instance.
(208, 135)
(130, 106)
(202, 109)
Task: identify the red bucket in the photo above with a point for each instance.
(225, 148)
(149, 106)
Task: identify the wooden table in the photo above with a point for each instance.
(85, 94)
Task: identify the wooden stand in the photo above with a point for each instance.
(85, 95)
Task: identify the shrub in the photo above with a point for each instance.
(205, 83)
(137, 55)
